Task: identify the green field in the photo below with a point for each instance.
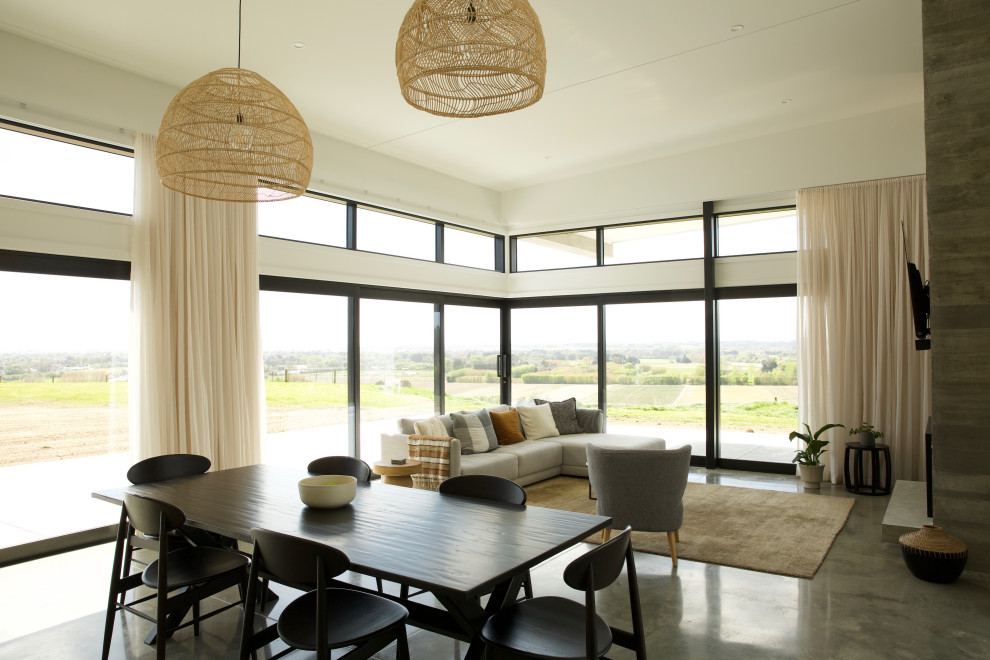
(762, 416)
(64, 394)
(627, 403)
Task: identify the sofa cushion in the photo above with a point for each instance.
(564, 415)
(507, 428)
(537, 421)
(475, 431)
(592, 420)
(432, 426)
(499, 463)
(575, 454)
(407, 425)
(535, 456)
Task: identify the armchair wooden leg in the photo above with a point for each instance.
(672, 541)
(677, 535)
(606, 533)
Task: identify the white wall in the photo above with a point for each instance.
(66, 92)
(875, 146)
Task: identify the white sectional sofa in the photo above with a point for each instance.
(528, 461)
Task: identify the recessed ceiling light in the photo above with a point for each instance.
(299, 44)
(737, 28)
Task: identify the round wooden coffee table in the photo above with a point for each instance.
(397, 475)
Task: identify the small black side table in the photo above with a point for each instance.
(856, 483)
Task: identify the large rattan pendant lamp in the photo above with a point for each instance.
(471, 58)
(233, 136)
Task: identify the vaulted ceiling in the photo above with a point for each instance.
(627, 81)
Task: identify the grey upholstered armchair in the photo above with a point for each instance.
(642, 488)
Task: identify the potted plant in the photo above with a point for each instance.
(809, 458)
(868, 435)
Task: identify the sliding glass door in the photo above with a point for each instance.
(758, 389)
(655, 366)
(63, 402)
(397, 364)
(471, 348)
(304, 347)
(555, 354)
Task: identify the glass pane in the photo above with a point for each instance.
(395, 234)
(564, 250)
(63, 402)
(307, 219)
(304, 345)
(656, 371)
(555, 355)
(396, 368)
(471, 346)
(466, 248)
(656, 241)
(48, 170)
(758, 378)
(757, 233)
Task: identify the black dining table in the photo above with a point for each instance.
(456, 548)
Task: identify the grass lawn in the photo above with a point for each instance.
(64, 394)
(769, 416)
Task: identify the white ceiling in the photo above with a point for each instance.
(627, 81)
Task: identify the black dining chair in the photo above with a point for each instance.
(546, 627)
(160, 468)
(484, 487)
(323, 618)
(181, 578)
(167, 466)
(348, 465)
(493, 489)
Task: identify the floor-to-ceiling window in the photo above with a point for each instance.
(758, 392)
(304, 347)
(655, 371)
(555, 354)
(471, 355)
(397, 366)
(63, 402)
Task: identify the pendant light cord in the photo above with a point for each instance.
(240, 5)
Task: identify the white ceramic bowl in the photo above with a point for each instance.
(327, 491)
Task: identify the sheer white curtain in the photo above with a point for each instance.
(196, 378)
(856, 335)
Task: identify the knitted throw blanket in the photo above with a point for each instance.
(434, 453)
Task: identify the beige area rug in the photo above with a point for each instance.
(762, 530)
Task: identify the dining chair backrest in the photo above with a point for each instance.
(484, 487)
(145, 514)
(348, 465)
(167, 466)
(294, 560)
(601, 566)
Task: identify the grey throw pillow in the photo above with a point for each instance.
(475, 431)
(564, 415)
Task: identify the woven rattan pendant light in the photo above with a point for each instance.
(471, 58)
(233, 136)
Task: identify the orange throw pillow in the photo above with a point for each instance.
(507, 427)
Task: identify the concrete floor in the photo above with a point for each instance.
(863, 603)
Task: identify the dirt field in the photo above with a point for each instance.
(33, 434)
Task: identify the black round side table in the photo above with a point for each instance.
(855, 482)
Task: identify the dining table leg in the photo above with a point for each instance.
(471, 616)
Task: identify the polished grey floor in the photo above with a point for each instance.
(863, 603)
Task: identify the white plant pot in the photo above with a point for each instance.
(811, 475)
